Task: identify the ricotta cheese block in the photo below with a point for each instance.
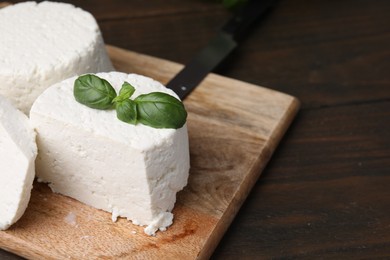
(133, 171)
(42, 44)
(17, 155)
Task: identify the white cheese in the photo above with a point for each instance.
(133, 171)
(17, 154)
(42, 44)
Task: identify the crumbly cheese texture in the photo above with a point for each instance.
(17, 155)
(42, 44)
(133, 171)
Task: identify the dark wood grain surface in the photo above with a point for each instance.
(326, 191)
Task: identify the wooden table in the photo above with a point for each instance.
(326, 191)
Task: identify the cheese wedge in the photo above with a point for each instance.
(17, 155)
(133, 171)
(42, 44)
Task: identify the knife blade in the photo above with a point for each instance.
(219, 47)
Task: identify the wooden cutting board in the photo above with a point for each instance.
(234, 127)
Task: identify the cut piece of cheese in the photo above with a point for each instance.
(133, 171)
(17, 155)
(42, 44)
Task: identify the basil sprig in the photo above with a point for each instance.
(155, 109)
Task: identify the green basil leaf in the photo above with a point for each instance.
(126, 111)
(94, 92)
(125, 93)
(160, 110)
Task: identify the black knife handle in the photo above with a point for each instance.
(239, 24)
(218, 48)
(205, 61)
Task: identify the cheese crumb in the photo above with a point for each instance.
(71, 219)
(164, 220)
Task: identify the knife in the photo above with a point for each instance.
(223, 43)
